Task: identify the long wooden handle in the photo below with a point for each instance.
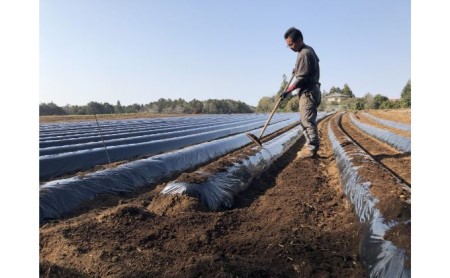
(270, 117)
(274, 109)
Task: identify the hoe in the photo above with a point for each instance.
(257, 140)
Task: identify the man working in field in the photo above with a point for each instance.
(307, 73)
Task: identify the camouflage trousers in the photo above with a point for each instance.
(308, 103)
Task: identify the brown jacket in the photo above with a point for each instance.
(307, 71)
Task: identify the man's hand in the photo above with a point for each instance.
(284, 95)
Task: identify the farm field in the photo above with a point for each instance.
(322, 217)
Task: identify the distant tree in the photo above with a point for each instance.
(134, 108)
(118, 108)
(69, 109)
(283, 84)
(265, 104)
(77, 110)
(369, 102)
(335, 90)
(162, 103)
(405, 96)
(108, 108)
(347, 91)
(150, 108)
(390, 104)
(95, 107)
(292, 105)
(379, 100)
(48, 109)
(242, 107)
(354, 103)
(195, 106)
(177, 106)
(225, 106)
(99, 108)
(359, 104)
(210, 106)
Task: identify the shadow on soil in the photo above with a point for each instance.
(395, 156)
(52, 270)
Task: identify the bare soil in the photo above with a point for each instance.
(396, 115)
(293, 221)
(366, 120)
(396, 161)
(202, 173)
(394, 197)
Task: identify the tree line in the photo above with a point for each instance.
(227, 106)
(368, 101)
(161, 106)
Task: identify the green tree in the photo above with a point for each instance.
(77, 110)
(335, 90)
(379, 100)
(210, 106)
(265, 104)
(95, 107)
(48, 109)
(161, 104)
(108, 108)
(369, 102)
(195, 106)
(348, 103)
(405, 96)
(347, 91)
(177, 106)
(359, 104)
(118, 108)
(390, 104)
(133, 108)
(241, 107)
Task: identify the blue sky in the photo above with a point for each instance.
(374, 54)
(139, 51)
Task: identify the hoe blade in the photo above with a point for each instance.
(254, 139)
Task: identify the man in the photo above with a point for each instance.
(307, 74)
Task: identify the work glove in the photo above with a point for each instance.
(284, 95)
(288, 91)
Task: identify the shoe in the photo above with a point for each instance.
(306, 153)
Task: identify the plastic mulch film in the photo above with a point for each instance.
(221, 188)
(58, 198)
(48, 130)
(401, 143)
(59, 164)
(79, 135)
(397, 125)
(133, 139)
(381, 257)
